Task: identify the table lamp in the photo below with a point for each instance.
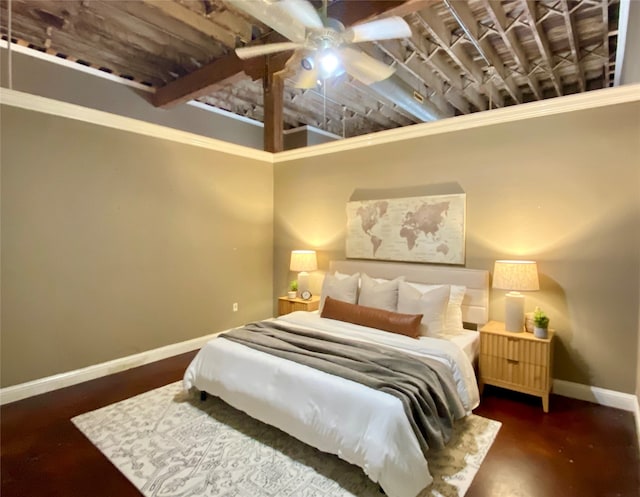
(515, 276)
(303, 261)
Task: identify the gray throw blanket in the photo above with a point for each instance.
(425, 387)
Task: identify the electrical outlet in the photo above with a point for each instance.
(235, 307)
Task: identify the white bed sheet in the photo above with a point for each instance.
(468, 341)
(361, 425)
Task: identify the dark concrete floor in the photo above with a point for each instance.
(578, 449)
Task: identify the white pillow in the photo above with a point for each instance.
(453, 315)
(379, 293)
(345, 289)
(432, 304)
(341, 276)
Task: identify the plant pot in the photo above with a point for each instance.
(540, 332)
(292, 295)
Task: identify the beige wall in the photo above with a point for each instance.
(563, 190)
(630, 74)
(114, 243)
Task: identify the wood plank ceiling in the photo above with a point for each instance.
(462, 57)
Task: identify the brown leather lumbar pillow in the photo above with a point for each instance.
(395, 322)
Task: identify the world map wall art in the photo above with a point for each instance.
(414, 229)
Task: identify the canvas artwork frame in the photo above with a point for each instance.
(427, 228)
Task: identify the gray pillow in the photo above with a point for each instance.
(381, 294)
(345, 289)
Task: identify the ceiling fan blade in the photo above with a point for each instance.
(363, 67)
(269, 48)
(306, 78)
(303, 12)
(272, 15)
(382, 29)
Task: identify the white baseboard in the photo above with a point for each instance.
(602, 396)
(43, 385)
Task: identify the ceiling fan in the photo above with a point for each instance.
(322, 43)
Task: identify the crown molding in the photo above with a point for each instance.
(531, 110)
(36, 103)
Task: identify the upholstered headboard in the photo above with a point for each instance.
(475, 306)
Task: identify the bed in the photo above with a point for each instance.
(366, 427)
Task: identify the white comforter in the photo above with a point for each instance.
(365, 427)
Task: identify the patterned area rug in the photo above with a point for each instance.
(169, 443)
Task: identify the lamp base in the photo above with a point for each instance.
(303, 282)
(514, 312)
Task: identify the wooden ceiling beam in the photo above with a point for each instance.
(540, 37)
(130, 55)
(574, 44)
(66, 45)
(140, 20)
(498, 16)
(273, 86)
(211, 77)
(194, 20)
(236, 24)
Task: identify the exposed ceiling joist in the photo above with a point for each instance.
(501, 25)
(574, 44)
(543, 43)
(472, 29)
(196, 21)
(462, 56)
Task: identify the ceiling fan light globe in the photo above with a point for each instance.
(329, 64)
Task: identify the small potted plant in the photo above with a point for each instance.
(293, 289)
(541, 323)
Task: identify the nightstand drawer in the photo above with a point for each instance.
(287, 305)
(528, 351)
(512, 372)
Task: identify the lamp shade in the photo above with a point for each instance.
(303, 260)
(516, 275)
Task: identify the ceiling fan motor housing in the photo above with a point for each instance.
(328, 37)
